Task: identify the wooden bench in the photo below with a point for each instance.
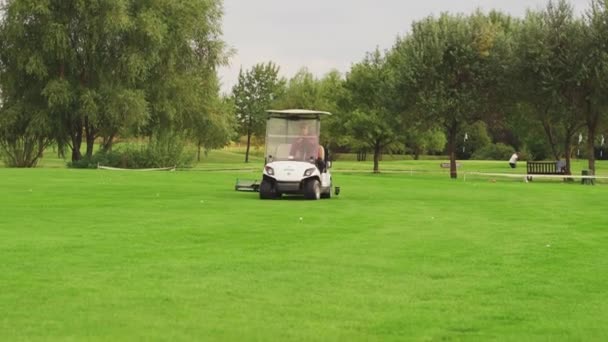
(545, 168)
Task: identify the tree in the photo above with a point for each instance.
(25, 129)
(307, 92)
(183, 39)
(216, 128)
(420, 141)
(109, 67)
(553, 61)
(302, 91)
(332, 93)
(595, 79)
(256, 91)
(370, 119)
(450, 71)
(471, 138)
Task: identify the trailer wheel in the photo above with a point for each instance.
(267, 191)
(313, 189)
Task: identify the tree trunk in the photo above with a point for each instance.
(90, 138)
(377, 151)
(551, 137)
(248, 140)
(76, 144)
(198, 151)
(571, 129)
(591, 150)
(41, 146)
(592, 123)
(247, 150)
(362, 156)
(567, 149)
(107, 144)
(452, 150)
(90, 145)
(417, 152)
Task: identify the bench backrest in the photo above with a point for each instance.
(542, 168)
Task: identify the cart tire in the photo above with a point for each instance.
(312, 189)
(267, 191)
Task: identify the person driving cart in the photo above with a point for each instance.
(305, 146)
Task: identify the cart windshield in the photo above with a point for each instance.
(292, 139)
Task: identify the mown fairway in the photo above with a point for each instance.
(102, 255)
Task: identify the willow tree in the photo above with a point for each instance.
(304, 90)
(451, 70)
(596, 73)
(371, 119)
(256, 91)
(551, 56)
(110, 67)
(182, 40)
(25, 122)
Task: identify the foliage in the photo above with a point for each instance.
(257, 90)
(113, 67)
(162, 151)
(304, 91)
(419, 142)
(370, 118)
(333, 92)
(449, 70)
(25, 126)
(214, 127)
(595, 77)
(24, 134)
(477, 138)
(552, 62)
(538, 148)
(498, 151)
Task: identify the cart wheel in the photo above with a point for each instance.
(313, 190)
(267, 191)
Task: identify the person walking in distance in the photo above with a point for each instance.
(513, 160)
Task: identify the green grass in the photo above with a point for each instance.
(102, 255)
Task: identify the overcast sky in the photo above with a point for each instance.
(332, 34)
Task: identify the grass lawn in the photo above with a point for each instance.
(101, 255)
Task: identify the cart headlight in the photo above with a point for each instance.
(269, 170)
(309, 172)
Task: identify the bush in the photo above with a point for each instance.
(498, 151)
(99, 158)
(164, 151)
(478, 138)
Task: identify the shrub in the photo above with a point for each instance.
(164, 151)
(498, 151)
(477, 138)
(99, 158)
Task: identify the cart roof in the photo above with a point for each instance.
(296, 114)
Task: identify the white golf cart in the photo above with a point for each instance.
(296, 163)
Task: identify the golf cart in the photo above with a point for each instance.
(296, 163)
